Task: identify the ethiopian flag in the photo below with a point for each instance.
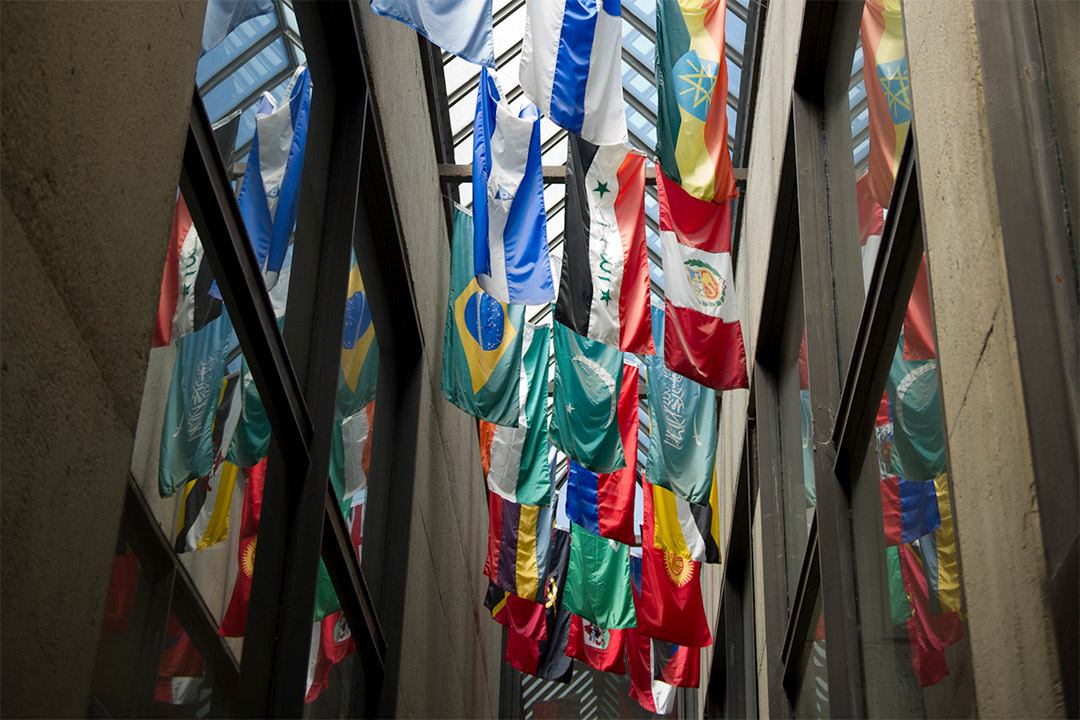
(692, 83)
(888, 93)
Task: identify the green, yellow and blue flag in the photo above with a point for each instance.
(482, 342)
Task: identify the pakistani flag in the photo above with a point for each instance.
(682, 428)
(598, 580)
(482, 340)
(585, 413)
(918, 435)
(187, 440)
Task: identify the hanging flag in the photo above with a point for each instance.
(224, 16)
(251, 440)
(918, 451)
(571, 66)
(928, 634)
(481, 342)
(604, 286)
(595, 646)
(331, 642)
(270, 191)
(669, 607)
(355, 520)
(523, 616)
(654, 695)
(235, 619)
(676, 665)
(509, 223)
(350, 455)
(204, 506)
(518, 540)
(180, 669)
(888, 94)
(890, 510)
(692, 89)
(918, 323)
(871, 228)
(682, 429)
(948, 575)
(604, 504)
(584, 414)
(899, 605)
(598, 581)
(544, 657)
(460, 27)
(186, 304)
(515, 460)
(702, 335)
(359, 351)
(918, 509)
(187, 447)
(687, 529)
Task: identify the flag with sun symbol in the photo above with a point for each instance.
(692, 88)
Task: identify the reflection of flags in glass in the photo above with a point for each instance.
(186, 304)
(888, 94)
(235, 619)
(331, 642)
(482, 341)
(692, 89)
(359, 350)
(180, 672)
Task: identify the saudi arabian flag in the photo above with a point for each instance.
(692, 87)
(482, 339)
(598, 580)
(585, 412)
(682, 427)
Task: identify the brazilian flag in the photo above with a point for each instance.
(692, 88)
(482, 341)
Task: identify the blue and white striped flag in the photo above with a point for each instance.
(509, 221)
(461, 27)
(571, 66)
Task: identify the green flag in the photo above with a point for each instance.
(598, 580)
(251, 440)
(187, 440)
(482, 340)
(899, 604)
(585, 413)
(918, 437)
(682, 427)
(326, 599)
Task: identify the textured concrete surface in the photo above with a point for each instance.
(94, 104)
(453, 659)
(997, 517)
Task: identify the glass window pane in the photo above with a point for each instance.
(185, 683)
(117, 654)
(812, 693)
(331, 657)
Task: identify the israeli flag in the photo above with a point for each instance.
(509, 222)
(270, 191)
(461, 27)
(571, 66)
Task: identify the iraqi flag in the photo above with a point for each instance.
(510, 257)
(604, 288)
(702, 337)
(571, 66)
(595, 646)
(186, 304)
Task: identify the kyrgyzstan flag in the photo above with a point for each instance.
(668, 603)
(235, 620)
(604, 503)
(595, 646)
(604, 288)
(702, 337)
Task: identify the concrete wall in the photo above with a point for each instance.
(451, 648)
(94, 108)
(997, 516)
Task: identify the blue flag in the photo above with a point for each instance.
(461, 27)
(510, 224)
(224, 16)
(682, 427)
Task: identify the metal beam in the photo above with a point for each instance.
(461, 173)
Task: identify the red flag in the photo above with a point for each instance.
(595, 646)
(335, 642)
(669, 606)
(890, 510)
(656, 696)
(702, 336)
(185, 304)
(235, 620)
(918, 325)
(929, 634)
(676, 665)
(180, 671)
(615, 491)
(888, 95)
(121, 598)
(522, 651)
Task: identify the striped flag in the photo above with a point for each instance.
(604, 287)
(888, 93)
(676, 665)
(509, 222)
(692, 89)
(571, 66)
(652, 694)
(702, 336)
(687, 529)
(518, 541)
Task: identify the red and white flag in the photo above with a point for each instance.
(702, 337)
(185, 304)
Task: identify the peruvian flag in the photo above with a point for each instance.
(186, 304)
(702, 336)
(235, 620)
(604, 287)
(595, 646)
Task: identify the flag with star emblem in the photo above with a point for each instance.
(481, 341)
(692, 90)
(571, 66)
(515, 460)
(585, 413)
(510, 247)
(888, 94)
(595, 646)
(669, 605)
(234, 622)
(598, 581)
(604, 287)
(682, 429)
(702, 335)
